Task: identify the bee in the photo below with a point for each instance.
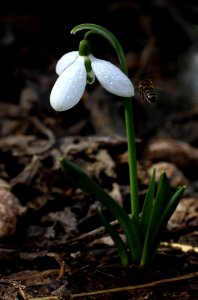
(146, 89)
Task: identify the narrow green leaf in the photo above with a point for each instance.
(154, 236)
(85, 183)
(159, 230)
(145, 217)
(163, 194)
(119, 244)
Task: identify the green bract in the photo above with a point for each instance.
(84, 48)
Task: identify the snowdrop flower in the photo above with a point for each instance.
(76, 69)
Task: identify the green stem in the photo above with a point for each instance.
(132, 158)
(129, 122)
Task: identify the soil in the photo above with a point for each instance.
(52, 241)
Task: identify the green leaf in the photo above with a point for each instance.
(145, 217)
(164, 218)
(163, 194)
(119, 244)
(88, 185)
(160, 217)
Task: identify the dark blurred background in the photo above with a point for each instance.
(158, 37)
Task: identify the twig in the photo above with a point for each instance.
(130, 288)
(182, 247)
(91, 234)
(126, 288)
(46, 298)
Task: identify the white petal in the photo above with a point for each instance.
(65, 61)
(69, 87)
(112, 78)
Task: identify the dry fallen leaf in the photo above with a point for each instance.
(10, 208)
(177, 152)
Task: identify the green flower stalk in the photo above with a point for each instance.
(143, 230)
(81, 66)
(128, 111)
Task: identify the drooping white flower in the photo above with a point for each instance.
(76, 70)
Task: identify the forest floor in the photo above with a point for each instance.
(53, 245)
(52, 239)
